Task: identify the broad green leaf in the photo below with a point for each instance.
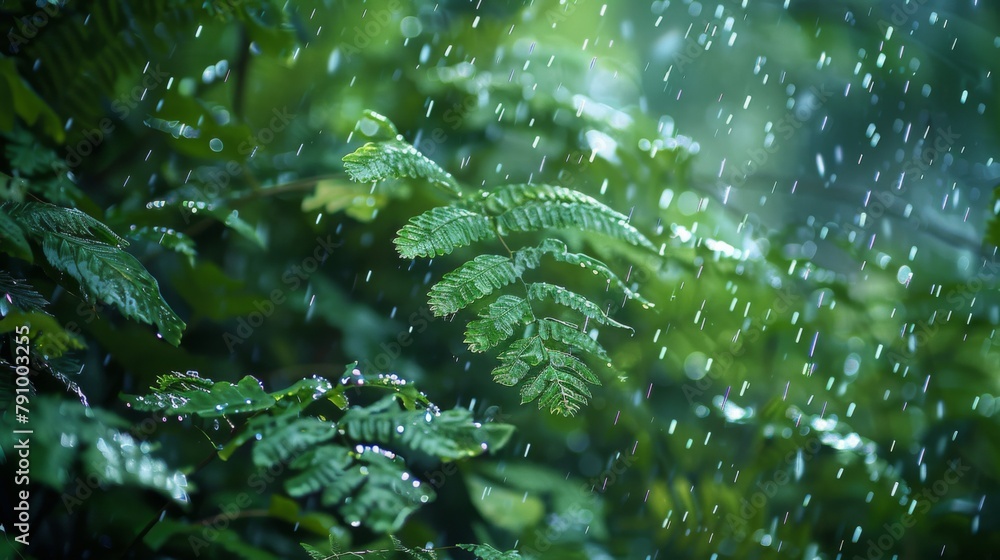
(334, 195)
(530, 257)
(90, 253)
(188, 393)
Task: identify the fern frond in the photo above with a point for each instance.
(442, 230)
(535, 216)
(416, 554)
(550, 329)
(497, 323)
(396, 159)
(381, 492)
(324, 467)
(471, 282)
(508, 197)
(561, 386)
(530, 257)
(289, 439)
(541, 291)
(517, 361)
(562, 391)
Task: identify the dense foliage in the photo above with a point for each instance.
(245, 247)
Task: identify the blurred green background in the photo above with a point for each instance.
(817, 379)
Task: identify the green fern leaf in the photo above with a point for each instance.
(497, 323)
(110, 275)
(89, 252)
(449, 435)
(530, 257)
(214, 401)
(539, 215)
(471, 282)
(506, 198)
(541, 291)
(517, 361)
(287, 440)
(559, 391)
(326, 467)
(487, 552)
(102, 450)
(442, 230)
(396, 159)
(550, 329)
(382, 493)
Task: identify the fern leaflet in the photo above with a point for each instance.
(442, 230)
(541, 291)
(535, 216)
(471, 282)
(497, 323)
(396, 159)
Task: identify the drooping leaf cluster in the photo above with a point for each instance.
(543, 357)
(355, 461)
